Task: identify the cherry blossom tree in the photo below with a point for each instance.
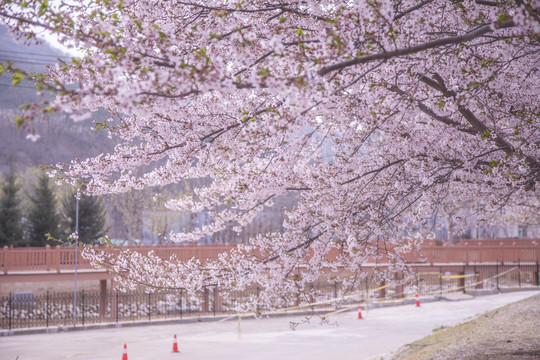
(375, 114)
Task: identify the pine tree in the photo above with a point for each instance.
(10, 212)
(91, 217)
(42, 213)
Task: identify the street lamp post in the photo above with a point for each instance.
(76, 261)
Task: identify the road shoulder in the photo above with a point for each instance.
(511, 332)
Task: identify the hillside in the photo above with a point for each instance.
(61, 139)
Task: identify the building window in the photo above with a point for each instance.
(522, 231)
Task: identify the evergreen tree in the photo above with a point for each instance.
(10, 212)
(42, 214)
(91, 217)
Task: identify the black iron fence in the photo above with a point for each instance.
(28, 310)
(56, 308)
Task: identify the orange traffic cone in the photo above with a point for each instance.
(417, 300)
(175, 345)
(359, 313)
(124, 355)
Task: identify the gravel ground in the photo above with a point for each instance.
(511, 332)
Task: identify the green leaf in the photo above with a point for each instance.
(43, 8)
(503, 17)
(19, 121)
(486, 134)
(17, 78)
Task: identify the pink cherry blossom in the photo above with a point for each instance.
(375, 115)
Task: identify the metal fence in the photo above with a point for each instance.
(28, 310)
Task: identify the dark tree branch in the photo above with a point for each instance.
(481, 128)
(411, 9)
(385, 55)
(487, 3)
(372, 171)
(478, 125)
(304, 244)
(426, 110)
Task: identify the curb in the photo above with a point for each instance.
(59, 329)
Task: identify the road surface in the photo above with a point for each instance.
(381, 332)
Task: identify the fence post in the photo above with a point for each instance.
(83, 307)
(478, 278)
(440, 280)
(519, 273)
(382, 292)
(215, 298)
(462, 280)
(258, 293)
(47, 310)
(205, 307)
(181, 294)
(149, 307)
(102, 297)
(10, 312)
(537, 273)
(116, 305)
(497, 273)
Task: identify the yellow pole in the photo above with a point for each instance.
(239, 327)
(367, 302)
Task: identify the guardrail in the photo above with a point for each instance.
(63, 258)
(60, 258)
(480, 254)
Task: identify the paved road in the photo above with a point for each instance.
(380, 333)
